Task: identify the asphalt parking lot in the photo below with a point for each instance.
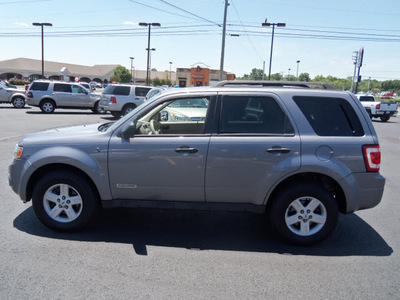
(149, 254)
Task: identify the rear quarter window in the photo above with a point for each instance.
(330, 116)
(117, 90)
(39, 86)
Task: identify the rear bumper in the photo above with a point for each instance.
(363, 190)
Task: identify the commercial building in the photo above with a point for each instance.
(198, 76)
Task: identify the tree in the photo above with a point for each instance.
(121, 74)
(304, 77)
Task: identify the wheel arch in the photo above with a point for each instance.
(331, 185)
(37, 174)
(48, 99)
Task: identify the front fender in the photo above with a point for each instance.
(93, 164)
(16, 95)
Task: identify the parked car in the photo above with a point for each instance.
(300, 155)
(87, 86)
(11, 95)
(155, 92)
(376, 109)
(9, 85)
(49, 95)
(121, 99)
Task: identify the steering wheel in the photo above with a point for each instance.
(155, 127)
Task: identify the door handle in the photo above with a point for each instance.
(278, 149)
(186, 149)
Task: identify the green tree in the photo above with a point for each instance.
(121, 74)
(256, 74)
(275, 77)
(304, 77)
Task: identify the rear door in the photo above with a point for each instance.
(62, 94)
(254, 145)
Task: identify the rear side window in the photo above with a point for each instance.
(60, 87)
(39, 86)
(117, 90)
(330, 116)
(248, 114)
(141, 91)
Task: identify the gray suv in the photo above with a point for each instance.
(49, 95)
(299, 154)
(121, 99)
(11, 95)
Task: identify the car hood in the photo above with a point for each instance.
(71, 134)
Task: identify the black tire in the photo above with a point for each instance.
(127, 109)
(18, 102)
(116, 114)
(384, 118)
(64, 201)
(47, 106)
(304, 213)
(96, 109)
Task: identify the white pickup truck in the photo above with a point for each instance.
(376, 109)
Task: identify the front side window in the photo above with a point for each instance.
(76, 89)
(253, 115)
(141, 91)
(330, 116)
(180, 116)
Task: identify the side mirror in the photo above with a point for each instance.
(128, 131)
(164, 116)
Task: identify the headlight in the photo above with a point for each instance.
(18, 151)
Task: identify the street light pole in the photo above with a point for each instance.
(170, 79)
(148, 48)
(41, 25)
(297, 72)
(272, 41)
(221, 68)
(132, 58)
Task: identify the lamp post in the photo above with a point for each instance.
(41, 25)
(170, 78)
(272, 41)
(297, 72)
(148, 47)
(132, 58)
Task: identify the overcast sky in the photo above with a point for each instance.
(321, 34)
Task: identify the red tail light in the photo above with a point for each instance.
(372, 157)
(29, 95)
(113, 100)
(378, 106)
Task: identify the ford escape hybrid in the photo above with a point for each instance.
(300, 154)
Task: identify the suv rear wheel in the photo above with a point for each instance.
(47, 106)
(304, 214)
(18, 102)
(127, 109)
(64, 200)
(97, 109)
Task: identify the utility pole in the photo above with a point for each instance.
(221, 68)
(355, 60)
(148, 48)
(272, 41)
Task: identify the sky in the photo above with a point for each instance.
(322, 35)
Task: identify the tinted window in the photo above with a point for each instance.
(367, 98)
(330, 116)
(39, 86)
(246, 114)
(117, 90)
(141, 91)
(60, 87)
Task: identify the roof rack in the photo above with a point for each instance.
(261, 83)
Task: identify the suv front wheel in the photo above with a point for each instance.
(47, 106)
(304, 214)
(64, 200)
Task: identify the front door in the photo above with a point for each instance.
(158, 165)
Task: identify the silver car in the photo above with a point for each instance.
(11, 95)
(121, 99)
(49, 95)
(298, 154)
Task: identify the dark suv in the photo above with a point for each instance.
(300, 154)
